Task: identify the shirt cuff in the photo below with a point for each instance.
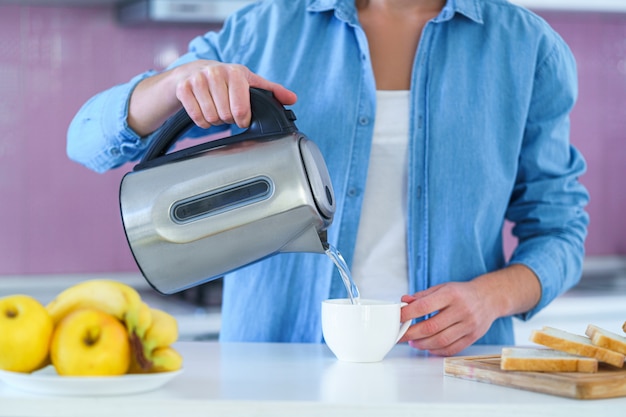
(555, 265)
(105, 116)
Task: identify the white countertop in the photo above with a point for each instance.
(250, 379)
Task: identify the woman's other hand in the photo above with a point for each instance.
(460, 313)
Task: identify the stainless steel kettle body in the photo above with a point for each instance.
(193, 215)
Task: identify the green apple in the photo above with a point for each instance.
(90, 342)
(26, 328)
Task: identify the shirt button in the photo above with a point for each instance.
(352, 192)
(114, 152)
(363, 120)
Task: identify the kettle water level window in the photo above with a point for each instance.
(221, 200)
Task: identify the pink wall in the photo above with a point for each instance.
(599, 121)
(58, 217)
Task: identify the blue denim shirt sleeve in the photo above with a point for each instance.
(99, 136)
(547, 203)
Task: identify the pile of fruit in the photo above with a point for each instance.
(94, 328)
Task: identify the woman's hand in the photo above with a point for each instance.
(211, 92)
(462, 312)
(461, 316)
(214, 93)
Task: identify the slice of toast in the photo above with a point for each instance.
(545, 360)
(576, 345)
(606, 339)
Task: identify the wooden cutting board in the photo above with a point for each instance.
(608, 382)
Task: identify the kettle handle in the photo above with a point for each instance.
(269, 118)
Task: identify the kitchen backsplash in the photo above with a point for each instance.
(58, 217)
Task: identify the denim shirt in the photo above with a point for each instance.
(491, 91)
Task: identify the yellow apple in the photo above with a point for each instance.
(25, 331)
(89, 342)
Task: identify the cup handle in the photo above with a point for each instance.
(403, 326)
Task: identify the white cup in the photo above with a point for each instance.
(363, 332)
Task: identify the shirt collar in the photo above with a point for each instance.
(468, 8)
(345, 8)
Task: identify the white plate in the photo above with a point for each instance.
(47, 381)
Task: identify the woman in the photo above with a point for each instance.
(438, 120)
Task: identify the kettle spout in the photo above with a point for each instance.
(310, 240)
(323, 235)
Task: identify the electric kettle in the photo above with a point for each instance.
(195, 214)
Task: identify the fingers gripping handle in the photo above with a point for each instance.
(269, 118)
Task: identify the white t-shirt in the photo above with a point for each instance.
(379, 268)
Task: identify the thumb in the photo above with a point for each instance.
(408, 298)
